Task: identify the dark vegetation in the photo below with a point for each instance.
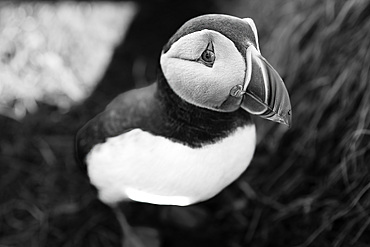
(307, 186)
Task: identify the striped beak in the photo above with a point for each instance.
(264, 92)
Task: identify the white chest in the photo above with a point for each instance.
(142, 167)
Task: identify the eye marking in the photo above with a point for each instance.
(208, 56)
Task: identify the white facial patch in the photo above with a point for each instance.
(146, 168)
(196, 83)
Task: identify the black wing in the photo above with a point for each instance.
(126, 112)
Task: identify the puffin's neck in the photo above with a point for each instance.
(194, 125)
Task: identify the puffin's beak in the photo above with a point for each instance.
(265, 94)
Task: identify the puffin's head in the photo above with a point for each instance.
(214, 62)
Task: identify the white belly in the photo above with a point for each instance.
(146, 168)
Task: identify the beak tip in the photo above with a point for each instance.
(287, 119)
(283, 118)
(288, 124)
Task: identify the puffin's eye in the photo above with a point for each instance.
(208, 56)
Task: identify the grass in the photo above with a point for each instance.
(307, 186)
(322, 176)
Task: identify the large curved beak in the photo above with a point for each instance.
(264, 92)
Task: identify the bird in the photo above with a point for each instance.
(188, 135)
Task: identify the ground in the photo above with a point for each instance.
(307, 186)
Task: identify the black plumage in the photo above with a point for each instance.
(158, 110)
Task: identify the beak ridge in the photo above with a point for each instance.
(265, 94)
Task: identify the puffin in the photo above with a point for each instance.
(188, 135)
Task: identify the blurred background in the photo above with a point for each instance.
(62, 62)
